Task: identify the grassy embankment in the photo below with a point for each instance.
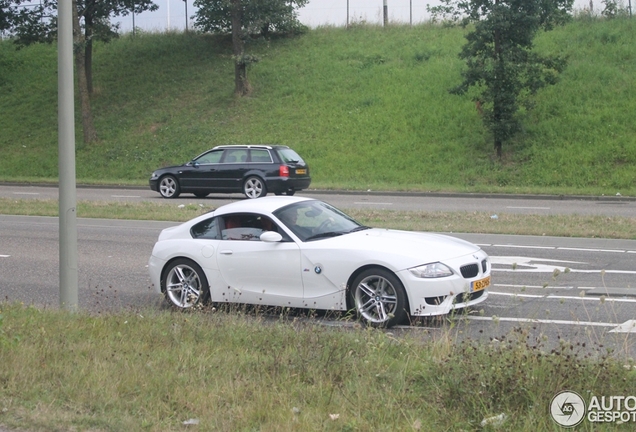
(367, 107)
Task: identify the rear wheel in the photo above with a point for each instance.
(185, 284)
(379, 298)
(254, 187)
(169, 187)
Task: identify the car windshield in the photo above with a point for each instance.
(314, 220)
(290, 156)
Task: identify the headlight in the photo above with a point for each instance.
(432, 270)
(154, 175)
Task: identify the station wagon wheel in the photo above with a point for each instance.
(254, 187)
(169, 187)
(379, 298)
(185, 284)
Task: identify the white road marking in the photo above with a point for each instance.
(5, 256)
(558, 287)
(540, 321)
(558, 297)
(529, 208)
(511, 246)
(26, 193)
(626, 327)
(520, 264)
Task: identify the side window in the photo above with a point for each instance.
(235, 156)
(246, 227)
(207, 229)
(260, 156)
(211, 157)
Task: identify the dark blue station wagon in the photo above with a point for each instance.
(253, 170)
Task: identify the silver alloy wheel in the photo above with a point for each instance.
(376, 299)
(168, 187)
(184, 287)
(254, 188)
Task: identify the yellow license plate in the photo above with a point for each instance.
(301, 171)
(480, 284)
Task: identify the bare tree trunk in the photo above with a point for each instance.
(241, 85)
(88, 54)
(496, 107)
(90, 134)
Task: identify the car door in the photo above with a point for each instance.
(232, 168)
(255, 271)
(203, 172)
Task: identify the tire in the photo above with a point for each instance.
(378, 298)
(185, 284)
(254, 187)
(291, 192)
(201, 194)
(169, 187)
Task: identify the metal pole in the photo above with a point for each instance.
(347, 13)
(411, 12)
(66, 158)
(386, 13)
(186, 11)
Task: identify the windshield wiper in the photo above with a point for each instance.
(360, 228)
(324, 235)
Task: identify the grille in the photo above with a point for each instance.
(484, 266)
(469, 270)
(466, 297)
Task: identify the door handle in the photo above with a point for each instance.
(225, 252)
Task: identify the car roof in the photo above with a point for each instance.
(257, 146)
(261, 205)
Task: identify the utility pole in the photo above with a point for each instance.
(66, 158)
(386, 13)
(186, 12)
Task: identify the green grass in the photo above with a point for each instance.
(367, 107)
(154, 370)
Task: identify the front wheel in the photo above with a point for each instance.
(169, 187)
(185, 284)
(379, 298)
(254, 187)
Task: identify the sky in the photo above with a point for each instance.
(172, 13)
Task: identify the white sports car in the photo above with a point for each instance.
(303, 253)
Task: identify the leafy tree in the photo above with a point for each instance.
(6, 15)
(91, 21)
(244, 19)
(500, 63)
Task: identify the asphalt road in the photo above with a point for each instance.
(611, 205)
(583, 290)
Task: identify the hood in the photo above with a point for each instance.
(412, 248)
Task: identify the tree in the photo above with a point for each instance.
(500, 63)
(244, 19)
(6, 15)
(91, 21)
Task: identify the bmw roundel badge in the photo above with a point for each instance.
(317, 269)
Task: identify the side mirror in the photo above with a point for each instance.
(271, 237)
